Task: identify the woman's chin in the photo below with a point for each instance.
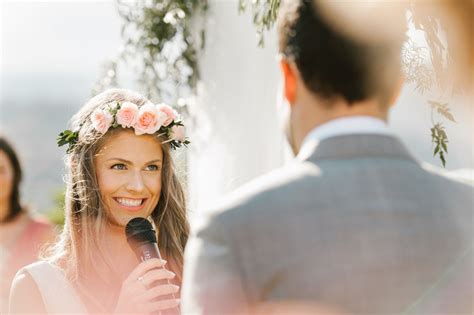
(123, 220)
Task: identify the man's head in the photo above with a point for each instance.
(330, 75)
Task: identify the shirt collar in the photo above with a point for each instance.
(342, 126)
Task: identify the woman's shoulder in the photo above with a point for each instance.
(24, 288)
(39, 266)
(37, 272)
(49, 287)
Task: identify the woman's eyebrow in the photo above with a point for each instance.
(121, 160)
(153, 161)
(130, 162)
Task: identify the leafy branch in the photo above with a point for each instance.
(161, 45)
(439, 137)
(442, 109)
(416, 70)
(440, 55)
(68, 137)
(264, 15)
(440, 140)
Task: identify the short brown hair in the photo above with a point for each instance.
(331, 63)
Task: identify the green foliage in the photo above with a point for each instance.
(440, 140)
(160, 44)
(264, 15)
(158, 35)
(440, 55)
(416, 70)
(68, 137)
(56, 214)
(442, 109)
(439, 137)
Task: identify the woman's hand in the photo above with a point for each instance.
(138, 293)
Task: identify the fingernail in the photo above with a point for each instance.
(163, 261)
(175, 288)
(177, 301)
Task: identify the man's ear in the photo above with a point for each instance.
(290, 80)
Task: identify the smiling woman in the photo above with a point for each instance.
(129, 183)
(120, 167)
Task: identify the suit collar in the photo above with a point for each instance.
(357, 146)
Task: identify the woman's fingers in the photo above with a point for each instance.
(155, 275)
(142, 288)
(144, 267)
(159, 290)
(161, 305)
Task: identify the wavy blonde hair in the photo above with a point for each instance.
(78, 250)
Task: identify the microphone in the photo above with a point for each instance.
(142, 239)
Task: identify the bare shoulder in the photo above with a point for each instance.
(25, 296)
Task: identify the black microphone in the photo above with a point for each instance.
(142, 239)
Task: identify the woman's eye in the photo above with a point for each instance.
(152, 168)
(119, 167)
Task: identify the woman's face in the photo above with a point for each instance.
(128, 169)
(6, 177)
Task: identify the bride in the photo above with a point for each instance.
(119, 167)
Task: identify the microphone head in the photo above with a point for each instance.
(139, 231)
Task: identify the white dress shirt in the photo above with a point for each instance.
(342, 126)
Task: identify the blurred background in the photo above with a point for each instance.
(56, 54)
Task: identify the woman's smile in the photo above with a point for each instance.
(131, 204)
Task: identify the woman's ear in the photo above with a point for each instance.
(289, 80)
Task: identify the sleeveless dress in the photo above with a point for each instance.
(59, 296)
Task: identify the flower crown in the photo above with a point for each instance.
(148, 119)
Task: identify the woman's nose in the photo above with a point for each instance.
(135, 182)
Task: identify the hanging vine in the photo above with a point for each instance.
(161, 46)
(264, 15)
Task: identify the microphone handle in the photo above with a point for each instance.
(148, 251)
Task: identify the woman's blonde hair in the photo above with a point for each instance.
(79, 251)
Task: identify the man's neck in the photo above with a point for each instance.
(310, 115)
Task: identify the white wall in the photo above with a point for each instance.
(237, 136)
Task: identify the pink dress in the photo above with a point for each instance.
(24, 251)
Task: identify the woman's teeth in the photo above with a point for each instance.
(130, 202)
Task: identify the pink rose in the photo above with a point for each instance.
(170, 113)
(127, 115)
(101, 120)
(178, 133)
(149, 120)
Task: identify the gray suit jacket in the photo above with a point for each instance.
(359, 225)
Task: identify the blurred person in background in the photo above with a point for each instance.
(22, 235)
(119, 167)
(354, 223)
